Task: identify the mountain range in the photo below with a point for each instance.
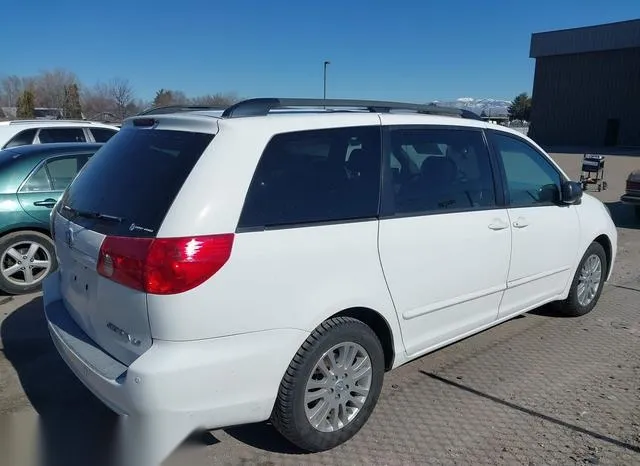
(491, 107)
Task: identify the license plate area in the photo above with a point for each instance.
(78, 283)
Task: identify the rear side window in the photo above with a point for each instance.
(315, 176)
(37, 182)
(55, 175)
(435, 170)
(102, 134)
(135, 176)
(50, 135)
(23, 138)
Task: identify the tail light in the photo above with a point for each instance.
(163, 265)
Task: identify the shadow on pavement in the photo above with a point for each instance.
(623, 215)
(264, 437)
(75, 428)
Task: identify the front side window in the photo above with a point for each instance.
(50, 135)
(315, 176)
(437, 170)
(531, 179)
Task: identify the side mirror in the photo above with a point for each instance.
(571, 192)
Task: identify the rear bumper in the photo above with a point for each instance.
(633, 199)
(196, 384)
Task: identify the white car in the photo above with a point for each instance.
(273, 265)
(23, 132)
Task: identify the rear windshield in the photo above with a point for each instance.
(135, 177)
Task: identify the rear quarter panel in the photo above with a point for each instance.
(285, 279)
(13, 217)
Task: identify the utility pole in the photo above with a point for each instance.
(324, 94)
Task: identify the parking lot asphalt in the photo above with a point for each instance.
(538, 389)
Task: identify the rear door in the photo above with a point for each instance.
(42, 189)
(444, 234)
(132, 182)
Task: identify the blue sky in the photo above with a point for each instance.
(415, 50)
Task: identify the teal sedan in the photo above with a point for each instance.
(32, 178)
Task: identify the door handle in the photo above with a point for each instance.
(520, 223)
(498, 224)
(46, 203)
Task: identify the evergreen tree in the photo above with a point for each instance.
(520, 108)
(71, 108)
(26, 105)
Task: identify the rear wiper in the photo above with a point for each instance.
(96, 215)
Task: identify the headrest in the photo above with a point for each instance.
(439, 167)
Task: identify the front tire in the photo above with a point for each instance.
(26, 258)
(587, 283)
(331, 386)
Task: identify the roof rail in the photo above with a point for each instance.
(262, 106)
(48, 121)
(180, 108)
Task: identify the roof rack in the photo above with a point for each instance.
(262, 106)
(180, 108)
(48, 121)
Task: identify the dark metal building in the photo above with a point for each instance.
(586, 89)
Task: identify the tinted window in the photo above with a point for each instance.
(102, 134)
(62, 171)
(38, 181)
(531, 179)
(22, 138)
(136, 176)
(49, 135)
(315, 176)
(435, 170)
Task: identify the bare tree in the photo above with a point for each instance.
(122, 94)
(12, 86)
(216, 99)
(50, 87)
(97, 101)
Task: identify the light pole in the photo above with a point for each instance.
(324, 93)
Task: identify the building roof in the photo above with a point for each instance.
(602, 37)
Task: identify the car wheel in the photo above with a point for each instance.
(587, 283)
(26, 258)
(637, 212)
(331, 386)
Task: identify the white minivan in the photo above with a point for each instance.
(217, 270)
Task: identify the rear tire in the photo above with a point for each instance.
(587, 283)
(26, 259)
(321, 379)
